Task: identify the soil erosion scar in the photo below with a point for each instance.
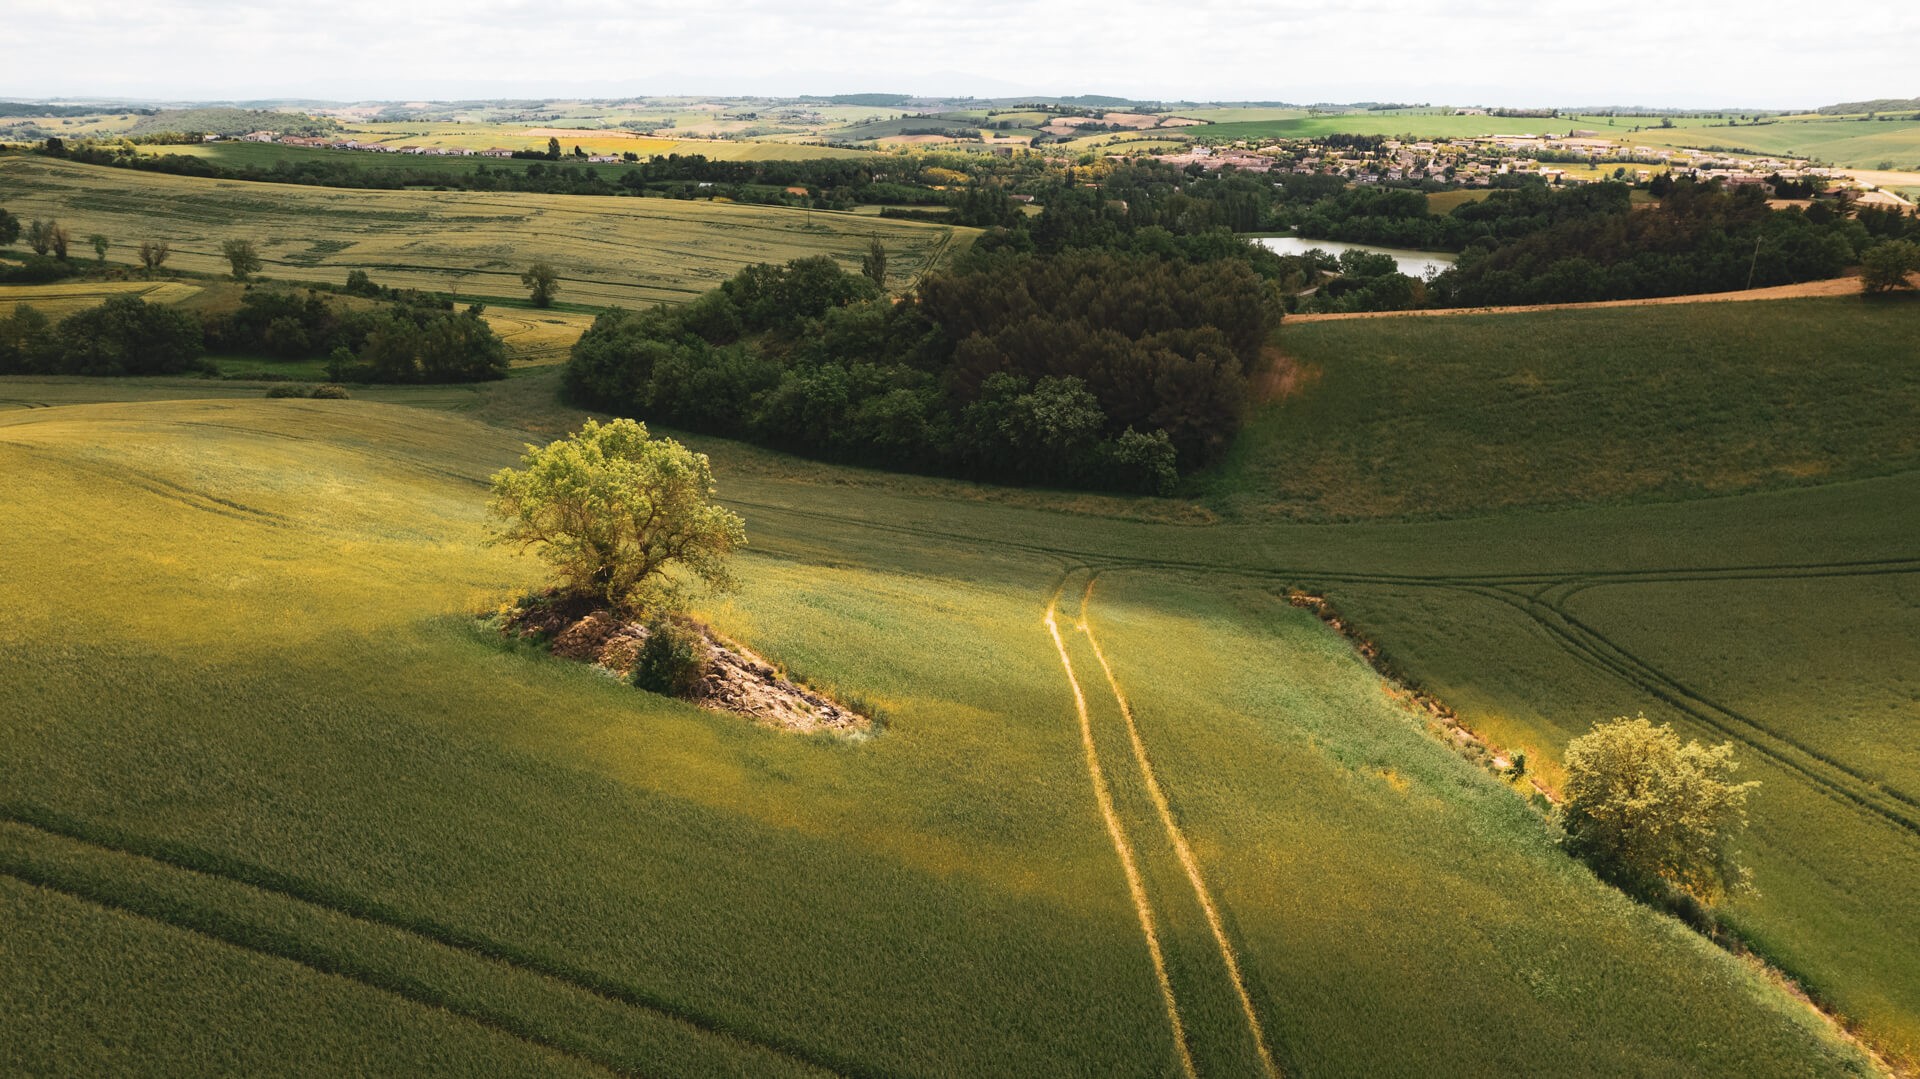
(1135, 885)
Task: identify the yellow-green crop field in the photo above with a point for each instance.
(537, 338)
(62, 298)
(483, 136)
(274, 802)
(1854, 143)
(609, 251)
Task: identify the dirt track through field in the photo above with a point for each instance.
(1838, 286)
(1136, 885)
(1182, 850)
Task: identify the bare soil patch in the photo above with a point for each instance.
(1838, 286)
(737, 679)
(1283, 377)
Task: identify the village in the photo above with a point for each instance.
(1491, 160)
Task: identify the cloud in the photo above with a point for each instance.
(1764, 53)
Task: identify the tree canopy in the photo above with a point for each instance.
(1650, 813)
(1885, 268)
(543, 283)
(240, 254)
(622, 517)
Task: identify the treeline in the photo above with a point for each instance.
(124, 336)
(396, 342)
(829, 183)
(1091, 368)
(417, 339)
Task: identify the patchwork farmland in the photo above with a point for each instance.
(629, 252)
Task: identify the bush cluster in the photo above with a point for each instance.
(409, 340)
(123, 336)
(673, 659)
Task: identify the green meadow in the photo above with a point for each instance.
(265, 743)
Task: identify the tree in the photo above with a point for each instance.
(59, 237)
(544, 282)
(9, 228)
(242, 257)
(1887, 266)
(1651, 814)
(100, 244)
(553, 149)
(152, 254)
(40, 236)
(622, 517)
(874, 263)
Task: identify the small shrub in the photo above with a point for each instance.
(331, 393)
(673, 661)
(287, 391)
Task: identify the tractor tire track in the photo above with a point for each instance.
(273, 945)
(1103, 796)
(273, 882)
(1182, 849)
(1599, 652)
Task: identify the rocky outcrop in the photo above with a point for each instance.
(736, 680)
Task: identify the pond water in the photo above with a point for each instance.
(1411, 263)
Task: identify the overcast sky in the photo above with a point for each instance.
(1760, 53)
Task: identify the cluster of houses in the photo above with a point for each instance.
(1475, 162)
(325, 143)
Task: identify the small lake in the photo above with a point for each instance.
(1411, 263)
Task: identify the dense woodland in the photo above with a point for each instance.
(1540, 244)
(1093, 368)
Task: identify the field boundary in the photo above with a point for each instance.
(1832, 286)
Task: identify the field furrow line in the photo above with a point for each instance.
(273, 882)
(1136, 885)
(1828, 776)
(1182, 849)
(175, 916)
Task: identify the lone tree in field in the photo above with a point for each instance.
(100, 244)
(623, 517)
(242, 257)
(1886, 267)
(543, 281)
(874, 263)
(152, 254)
(40, 235)
(59, 237)
(1651, 814)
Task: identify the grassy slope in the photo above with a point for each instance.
(1406, 417)
(609, 250)
(941, 898)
